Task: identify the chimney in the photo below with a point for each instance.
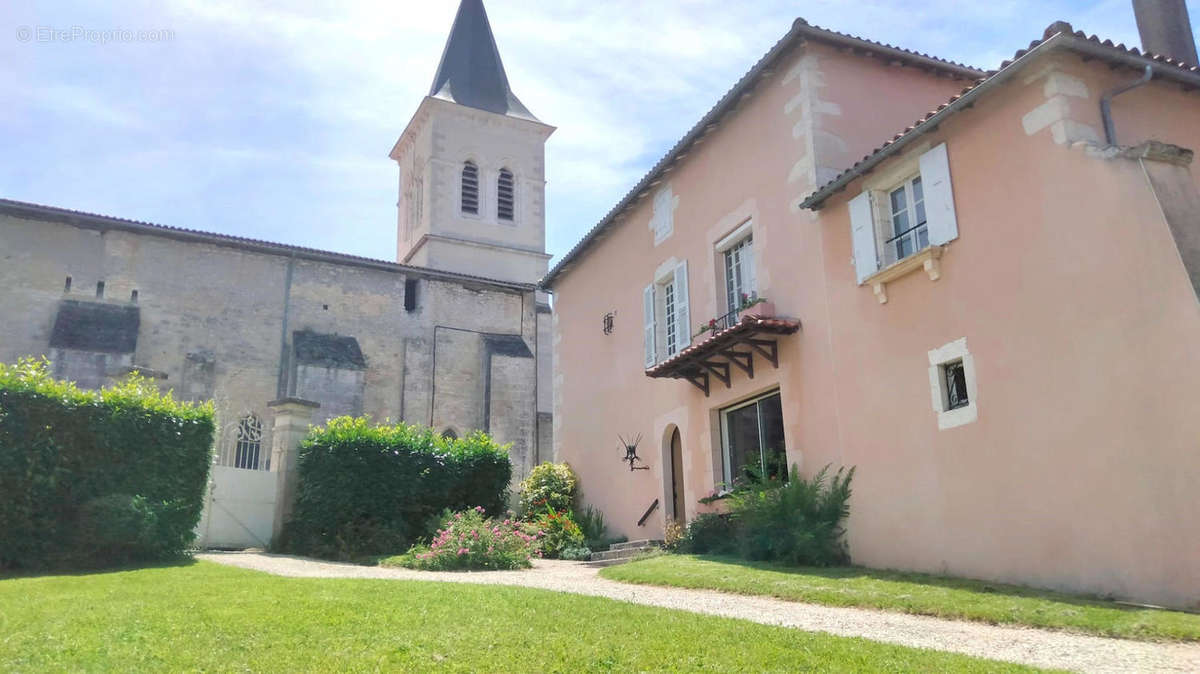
(1165, 29)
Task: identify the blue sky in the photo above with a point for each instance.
(273, 119)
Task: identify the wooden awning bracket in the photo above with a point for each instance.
(700, 379)
(719, 370)
(736, 357)
(768, 348)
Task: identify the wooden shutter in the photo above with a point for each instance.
(862, 235)
(648, 323)
(683, 316)
(939, 197)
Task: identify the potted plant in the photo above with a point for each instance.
(756, 307)
(705, 331)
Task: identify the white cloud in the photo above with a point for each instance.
(273, 120)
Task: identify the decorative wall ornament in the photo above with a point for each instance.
(631, 453)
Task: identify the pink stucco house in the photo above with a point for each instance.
(991, 312)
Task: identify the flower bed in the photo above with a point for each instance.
(470, 540)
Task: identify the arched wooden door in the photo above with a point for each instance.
(677, 495)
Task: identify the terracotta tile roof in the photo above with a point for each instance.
(801, 30)
(23, 209)
(722, 339)
(1058, 35)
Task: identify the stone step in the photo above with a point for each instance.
(623, 553)
(608, 562)
(640, 544)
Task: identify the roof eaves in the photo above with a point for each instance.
(1077, 41)
(42, 212)
(800, 29)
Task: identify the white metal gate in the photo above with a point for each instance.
(240, 509)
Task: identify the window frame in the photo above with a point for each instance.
(726, 453)
(739, 255)
(670, 318)
(942, 361)
(892, 240)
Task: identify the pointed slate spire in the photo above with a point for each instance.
(471, 72)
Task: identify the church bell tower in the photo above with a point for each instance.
(473, 166)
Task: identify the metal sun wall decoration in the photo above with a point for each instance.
(631, 453)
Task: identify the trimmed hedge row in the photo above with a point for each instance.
(97, 478)
(370, 490)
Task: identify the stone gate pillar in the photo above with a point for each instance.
(292, 418)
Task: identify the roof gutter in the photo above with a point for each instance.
(1059, 41)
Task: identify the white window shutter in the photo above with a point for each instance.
(648, 323)
(749, 272)
(939, 197)
(683, 315)
(862, 235)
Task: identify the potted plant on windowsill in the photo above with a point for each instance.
(705, 331)
(756, 307)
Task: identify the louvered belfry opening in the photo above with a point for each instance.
(504, 198)
(470, 188)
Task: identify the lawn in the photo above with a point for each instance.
(203, 616)
(921, 594)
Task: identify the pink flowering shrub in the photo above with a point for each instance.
(470, 540)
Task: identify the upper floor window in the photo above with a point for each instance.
(247, 448)
(666, 315)
(909, 227)
(470, 188)
(897, 218)
(504, 195)
(672, 320)
(739, 274)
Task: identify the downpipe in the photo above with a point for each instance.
(1110, 130)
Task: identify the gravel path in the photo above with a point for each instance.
(1025, 645)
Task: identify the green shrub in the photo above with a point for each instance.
(709, 534)
(549, 485)
(798, 523)
(576, 554)
(369, 490)
(96, 478)
(123, 528)
(557, 531)
(470, 541)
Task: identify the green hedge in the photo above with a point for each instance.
(96, 478)
(371, 490)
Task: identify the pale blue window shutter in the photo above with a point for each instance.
(939, 196)
(862, 235)
(648, 323)
(683, 315)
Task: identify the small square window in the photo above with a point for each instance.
(955, 377)
(952, 381)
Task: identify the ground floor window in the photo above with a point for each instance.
(752, 440)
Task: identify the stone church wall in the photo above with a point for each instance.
(218, 320)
